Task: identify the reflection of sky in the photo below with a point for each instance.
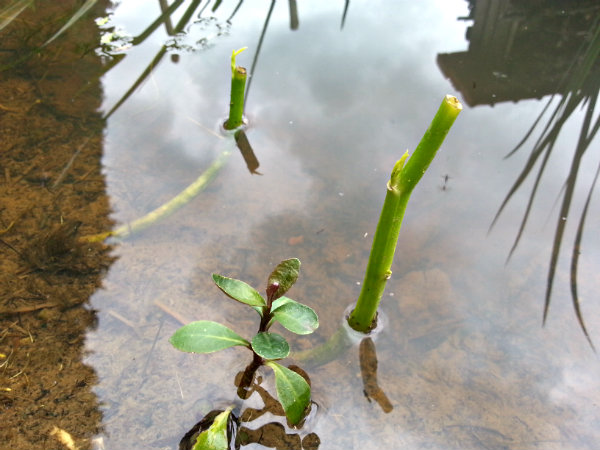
(330, 113)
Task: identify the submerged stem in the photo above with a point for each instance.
(166, 209)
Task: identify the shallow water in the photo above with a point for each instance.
(463, 358)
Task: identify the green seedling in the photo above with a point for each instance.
(405, 176)
(238, 88)
(206, 336)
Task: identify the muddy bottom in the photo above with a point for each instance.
(51, 193)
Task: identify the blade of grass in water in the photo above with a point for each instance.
(74, 18)
(11, 12)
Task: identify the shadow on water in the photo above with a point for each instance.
(499, 67)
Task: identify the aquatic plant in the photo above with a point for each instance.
(166, 209)
(238, 82)
(238, 87)
(206, 336)
(405, 176)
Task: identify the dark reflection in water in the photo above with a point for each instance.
(529, 50)
(247, 152)
(240, 430)
(519, 50)
(274, 434)
(368, 369)
(189, 440)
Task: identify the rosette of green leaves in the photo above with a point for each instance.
(206, 336)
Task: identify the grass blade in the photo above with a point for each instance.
(74, 18)
(11, 12)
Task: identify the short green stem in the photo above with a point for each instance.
(404, 177)
(236, 105)
(265, 320)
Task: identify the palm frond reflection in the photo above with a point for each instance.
(580, 90)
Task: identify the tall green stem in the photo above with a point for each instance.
(404, 177)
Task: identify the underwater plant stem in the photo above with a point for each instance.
(404, 177)
(335, 346)
(168, 208)
(236, 105)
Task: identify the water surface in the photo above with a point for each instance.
(463, 358)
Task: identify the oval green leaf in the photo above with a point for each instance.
(280, 302)
(285, 275)
(296, 317)
(292, 390)
(205, 336)
(215, 437)
(270, 346)
(238, 290)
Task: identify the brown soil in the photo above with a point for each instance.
(51, 192)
